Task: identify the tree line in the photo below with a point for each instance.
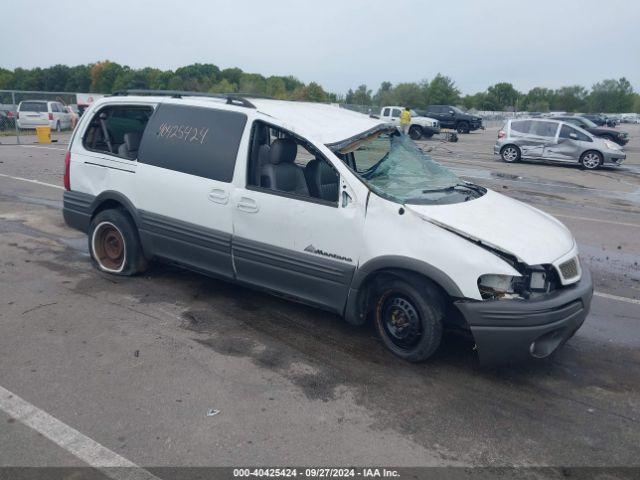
(108, 77)
(609, 96)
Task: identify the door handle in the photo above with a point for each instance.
(218, 195)
(248, 205)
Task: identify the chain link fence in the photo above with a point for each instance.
(21, 112)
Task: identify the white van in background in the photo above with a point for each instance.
(38, 113)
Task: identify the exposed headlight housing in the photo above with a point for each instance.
(535, 281)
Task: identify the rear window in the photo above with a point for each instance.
(33, 107)
(194, 140)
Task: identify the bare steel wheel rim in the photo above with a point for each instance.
(591, 160)
(401, 321)
(510, 154)
(109, 248)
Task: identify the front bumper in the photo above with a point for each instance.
(510, 331)
(615, 157)
(431, 130)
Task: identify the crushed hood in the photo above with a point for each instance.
(513, 227)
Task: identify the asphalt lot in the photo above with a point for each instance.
(135, 364)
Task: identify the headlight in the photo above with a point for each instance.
(611, 146)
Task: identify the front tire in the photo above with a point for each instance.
(415, 132)
(591, 160)
(463, 127)
(510, 153)
(114, 244)
(408, 319)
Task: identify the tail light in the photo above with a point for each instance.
(67, 171)
(501, 134)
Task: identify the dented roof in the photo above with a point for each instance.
(328, 124)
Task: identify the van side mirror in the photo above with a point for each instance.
(573, 136)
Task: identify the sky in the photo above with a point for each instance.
(339, 43)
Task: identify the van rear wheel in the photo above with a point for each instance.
(409, 318)
(114, 244)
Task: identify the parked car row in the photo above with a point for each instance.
(427, 122)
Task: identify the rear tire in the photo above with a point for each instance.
(510, 153)
(591, 160)
(462, 127)
(114, 244)
(409, 318)
(415, 132)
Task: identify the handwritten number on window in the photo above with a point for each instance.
(185, 133)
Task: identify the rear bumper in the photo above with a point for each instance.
(510, 331)
(76, 210)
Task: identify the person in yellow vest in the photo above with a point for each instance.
(405, 120)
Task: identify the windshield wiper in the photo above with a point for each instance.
(468, 186)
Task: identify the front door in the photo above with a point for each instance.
(297, 225)
(571, 143)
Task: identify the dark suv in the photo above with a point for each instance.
(452, 117)
(621, 138)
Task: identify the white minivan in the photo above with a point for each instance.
(327, 206)
(38, 113)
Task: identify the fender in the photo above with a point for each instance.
(117, 197)
(353, 310)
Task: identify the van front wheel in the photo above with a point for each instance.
(114, 244)
(409, 319)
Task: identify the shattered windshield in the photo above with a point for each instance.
(395, 168)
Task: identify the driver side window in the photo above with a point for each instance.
(285, 164)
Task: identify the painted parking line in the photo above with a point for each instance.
(37, 182)
(597, 220)
(617, 298)
(64, 148)
(80, 446)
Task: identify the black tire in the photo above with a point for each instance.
(408, 318)
(510, 153)
(114, 244)
(462, 127)
(591, 160)
(415, 132)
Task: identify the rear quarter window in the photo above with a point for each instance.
(194, 140)
(521, 127)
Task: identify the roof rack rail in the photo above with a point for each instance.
(231, 98)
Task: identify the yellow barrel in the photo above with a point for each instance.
(44, 134)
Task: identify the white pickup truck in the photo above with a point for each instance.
(420, 126)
